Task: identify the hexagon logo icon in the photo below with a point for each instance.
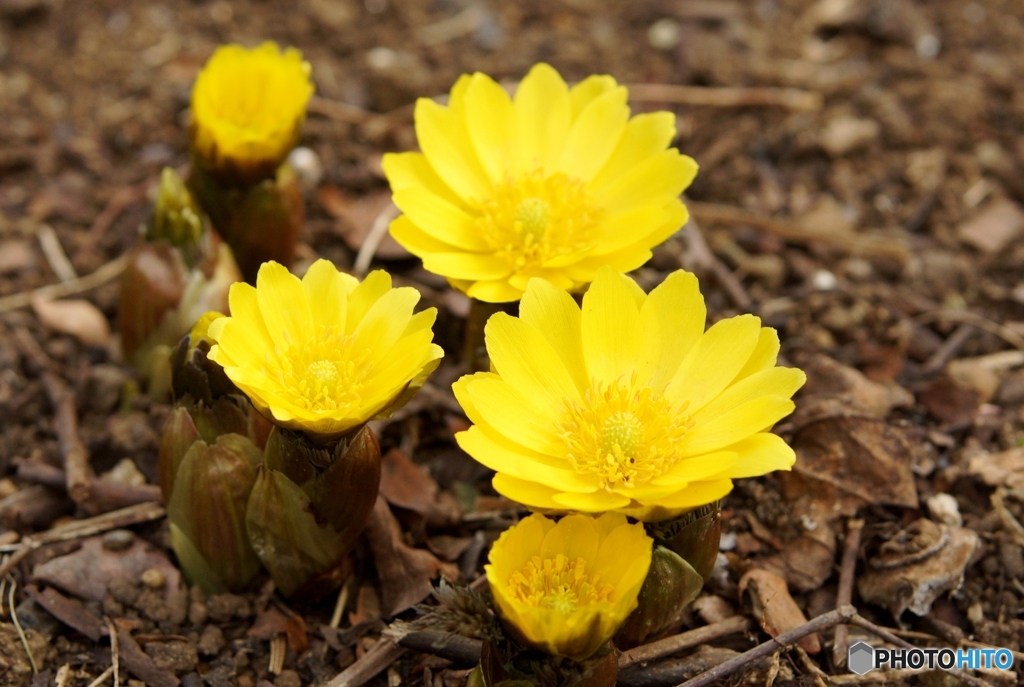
(860, 658)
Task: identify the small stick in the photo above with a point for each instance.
(872, 245)
(726, 96)
(980, 321)
(382, 655)
(338, 110)
(703, 256)
(685, 640)
(844, 595)
(113, 650)
(339, 607)
(823, 622)
(371, 243)
(17, 626)
(949, 348)
(102, 677)
(449, 645)
(54, 253)
(119, 201)
(132, 515)
(278, 648)
(76, 456)
(66, 288)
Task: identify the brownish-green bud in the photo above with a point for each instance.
(178, 436)
(261, 222)
(152, 285)
(686, 548)
(308, 507)
(176, 218)
(206, 513)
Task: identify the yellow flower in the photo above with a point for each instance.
(566, 588)
(248, 107)
(629, 405)
(554, 183)
(327, 353)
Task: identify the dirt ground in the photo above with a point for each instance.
(872, 213)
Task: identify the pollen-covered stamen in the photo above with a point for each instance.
(533, 218)
(559, 584)
(624, 434)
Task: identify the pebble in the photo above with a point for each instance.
(663, 34)
(1012, 557)
(945, 509)
(153, 578)
(211, 641)
(179, 657)
(307, 166)
(227, 606)
(124, 591)
(287, 678)
(118, 540)
(823, 280)
(197, 613)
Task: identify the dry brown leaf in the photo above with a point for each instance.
(916, 566)
(407, 485)
(774, 608)
(273, 622)
(77, 317)
(949, 401)
(808, 560)
(833, 389)
(999, 469)
(357, 216)
(405, 573)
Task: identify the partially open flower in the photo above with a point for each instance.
(325, 354)
(247, 109)
(553, 183)
(629, 405)
(566, 588)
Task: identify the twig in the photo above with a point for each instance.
(63, 674)
(76, 457)
(278, 649)
(666, 647)
(702, 254)
(107, 494)
(465, 22)
(449, 645)
(823, 622)
(338, 110)
(844, 594)
(339, 607)
(382, 655)
(66, 288)
(27, 547)
(17, 626)
(102, 677)
(1005, 333)
(869, 244)
(371, 243)
(726, 96)
(119, 201)
(113, 650)
(132, 515)
(54, 253)
(949, 348)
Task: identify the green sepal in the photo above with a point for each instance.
(671, 584)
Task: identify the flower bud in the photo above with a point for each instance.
(152, 285)
(309, 506)
(671, 584)
(177, 219)
(694, 535)
(178, 436)
(206, 513)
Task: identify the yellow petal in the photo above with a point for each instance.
(485, 266)
(624, 544)
(414, 239)
(516, 545)
(606, 523)
(695, 494)
(542, 115)
(503, 455)
(588, 90)
(555, 314)
(596, 502)
(574, 537)
(714, 361)
(461, 390)
(595, 134)
(440, 219)
(671, 322)
(524, 358)
(386, 319)
(629, 227)
(441, 132)
(494, 291)
(765, 354)
(775, 381)
(326, 294)
(697, 469)
(657, 179)
(759, 455)
(245, 310)
(737, 424)
(646, 135)
(510, 413)
(530, 494)
(610, 325)
(283, 303)
(362, 298)
(491, 121)
(408, 170)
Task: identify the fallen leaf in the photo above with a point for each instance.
(985, 373)
(77, 317)
(407, 485)
(1005, 468)
(367, 607)
(357, 216)
(273, 622)
(833, 389)
(992, 229)
(71, 612)
(916, 566)
(949, 401)
(88, 571)
(808, 560)
(774, 608)
(404, 573)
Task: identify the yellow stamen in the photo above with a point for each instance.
(559, 584)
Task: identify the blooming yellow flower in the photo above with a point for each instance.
(327, 353)
(628, 405)
(566, 588)
(553, 183)
(248, 107)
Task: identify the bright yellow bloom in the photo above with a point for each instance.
(553, 183)
(248, 107)
(566, 588)
(629, 405)
(327, 353)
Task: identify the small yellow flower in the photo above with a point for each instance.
(327, 353)
(629, 405)
(566, 588)
(248, 107)
(553, 183)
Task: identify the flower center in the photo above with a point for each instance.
(323, 372)
(559, 584)
(624, 434)
(536, 217)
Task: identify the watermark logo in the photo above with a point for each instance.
(863, 658)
